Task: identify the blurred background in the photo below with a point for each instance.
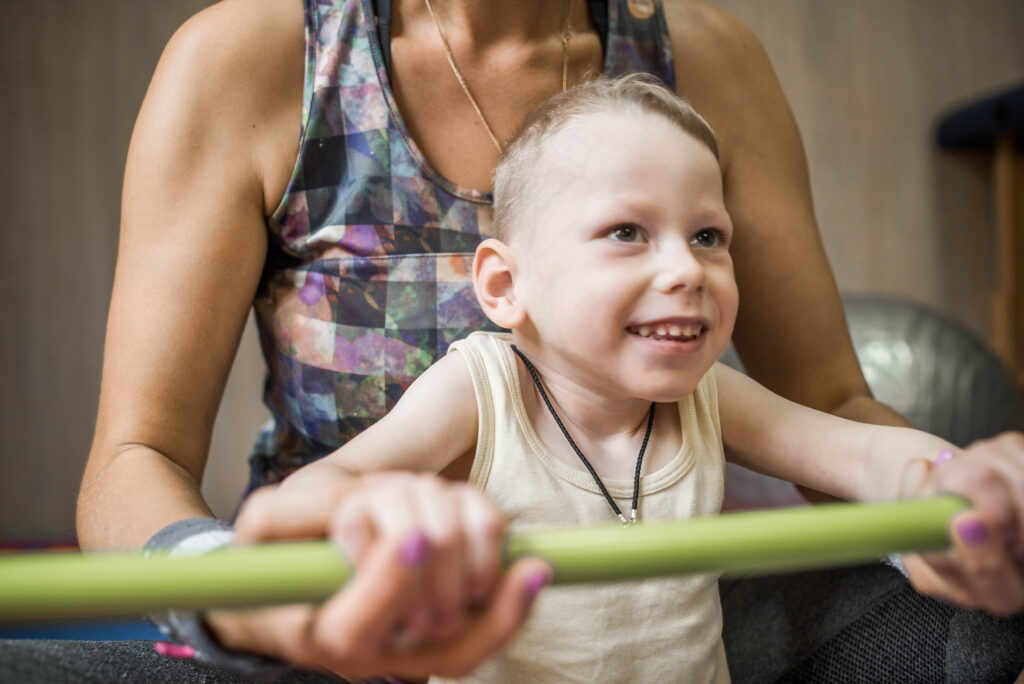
(867, 80)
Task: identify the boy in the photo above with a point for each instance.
(611, 269)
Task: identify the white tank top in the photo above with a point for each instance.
(663, 629)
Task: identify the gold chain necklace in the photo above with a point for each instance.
(566, 35)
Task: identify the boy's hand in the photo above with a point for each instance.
(985, 567)
(428, 596)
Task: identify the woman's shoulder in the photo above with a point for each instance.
(704, 31)
(241, 44)
(231, 78)
(724, 71)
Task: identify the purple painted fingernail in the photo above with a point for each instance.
(972, 531)
(944, 457)
(537, 581)
(414, 549)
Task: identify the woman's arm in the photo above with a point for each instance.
(208, 159)
(791, 332)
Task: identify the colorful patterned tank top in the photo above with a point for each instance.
(368, 274)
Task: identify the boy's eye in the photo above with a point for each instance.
(708, 237)
(626, 232)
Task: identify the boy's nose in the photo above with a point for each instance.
(679, 269)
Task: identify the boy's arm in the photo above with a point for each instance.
(432, 425)
(848, 459)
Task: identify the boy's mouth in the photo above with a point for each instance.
(681, 331)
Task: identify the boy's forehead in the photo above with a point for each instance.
(606, 154)
(592, 131)
(579, 148)
(598, 143)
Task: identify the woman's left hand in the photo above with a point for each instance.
(985, 567)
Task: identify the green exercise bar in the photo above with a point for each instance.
(38, 587)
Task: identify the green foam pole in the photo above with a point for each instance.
(61, 586)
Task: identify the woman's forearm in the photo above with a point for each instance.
(866, 409)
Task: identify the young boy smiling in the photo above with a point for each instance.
(611, 269)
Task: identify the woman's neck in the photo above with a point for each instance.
(478, 24)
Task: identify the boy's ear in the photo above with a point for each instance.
(494, 272)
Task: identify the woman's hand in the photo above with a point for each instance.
(985, 567)
(428, 596)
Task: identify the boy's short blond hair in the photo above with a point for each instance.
(636, 92)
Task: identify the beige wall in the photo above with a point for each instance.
(866, 80)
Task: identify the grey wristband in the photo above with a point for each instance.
(893, 560)
(196, 536)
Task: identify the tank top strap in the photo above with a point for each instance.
(638, 40)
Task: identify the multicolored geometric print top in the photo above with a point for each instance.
(368, 275)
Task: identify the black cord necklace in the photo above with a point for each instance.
(568, 437)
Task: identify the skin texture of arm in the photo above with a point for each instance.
(433, 425)
(208, 159)
(857, 461)
(845, 458)
(791, 332)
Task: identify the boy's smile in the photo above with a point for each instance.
(623, 266)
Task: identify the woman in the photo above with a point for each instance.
(404, 108)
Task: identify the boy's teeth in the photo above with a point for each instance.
(673, 330)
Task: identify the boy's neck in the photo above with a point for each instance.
(608, 430)
(609, 433)
(598, 416)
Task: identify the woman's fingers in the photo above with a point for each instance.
(485, 532)
(354, 629)
(1005, 454)
(426, 596)
(938, 575)
(982, 569)
(381, 507)
(350, 633)
(298, 508)
(272, 513)
(992, 577)
(437, 505)
(464, 531)
(486, 633)
(979, 572)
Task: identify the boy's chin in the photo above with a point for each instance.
(670, 395)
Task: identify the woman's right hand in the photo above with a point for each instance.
(428, 596)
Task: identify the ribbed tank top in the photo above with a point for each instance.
(665, 629)
(368, 273)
